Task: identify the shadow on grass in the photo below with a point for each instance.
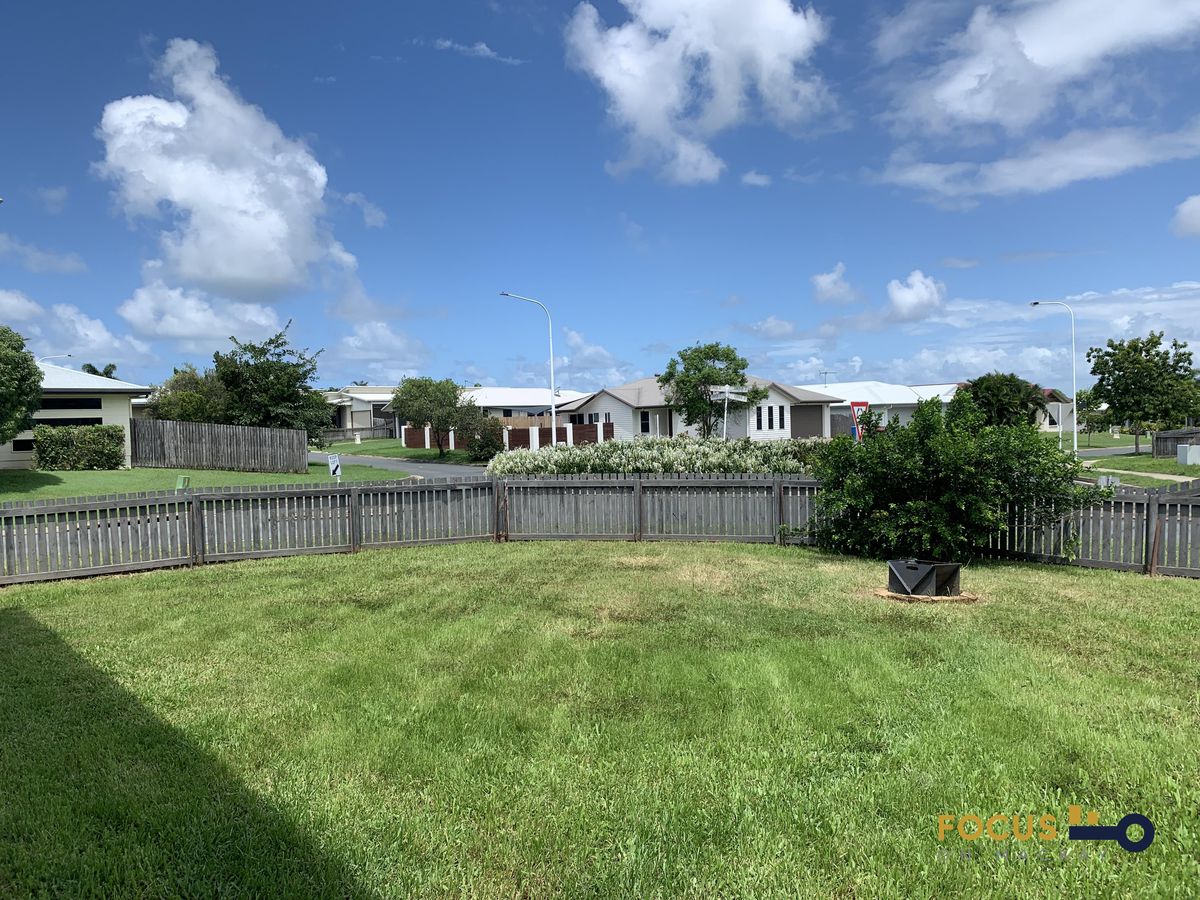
(15, 483)
(98, 797)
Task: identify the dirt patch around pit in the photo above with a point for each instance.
(912, 598)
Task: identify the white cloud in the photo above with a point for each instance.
(243, 200)
(196, 321)
(382, 353)
(832, 287)
(479, 50)
(54, 199)
(324, 79)
(678, 72)
(1010, 67)
(1187, 217)
(585, 366)
(65, 328)
(373, 216)
(774, 328)
(959, 262)
(34, 259)
(1047, 165)
(756, 179)
(912, 29)
(915, 298)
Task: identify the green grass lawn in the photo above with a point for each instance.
(390, 448)
(30, 484)
(1146, 463)
(1146, 481)
(589, 719)
(1097, 439)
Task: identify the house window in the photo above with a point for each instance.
(23, 445)
(781, 425)
(70, 403)
(593, 418)
(79, 421)
(758, 418)
(507, 413)
(607, 418)
(770, 418)
(645, 421)
(575, 418)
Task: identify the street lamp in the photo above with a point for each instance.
(1074, 388)
(56, 356)
(550, 325)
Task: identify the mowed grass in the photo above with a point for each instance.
(588, 719)
(390, 448)
(1131, 480)
(1142, 462)
(1099, 439)
(32, 484)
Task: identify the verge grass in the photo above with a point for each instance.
(390, 448)
(33, 484)
(594, 719)
(1144, 463)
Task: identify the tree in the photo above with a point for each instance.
(440, 404)
(939, 486)
(1144, 383)
(269, 385)
(1006, 399)
(1088, 414)
(20, 385)
(109, 371)
(693, 384)
(189, 396)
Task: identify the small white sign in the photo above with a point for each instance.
(335, 466)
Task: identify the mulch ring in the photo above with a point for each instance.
(914, 598)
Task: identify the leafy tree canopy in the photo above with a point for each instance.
(694, 381)
(269, 384)
(1006, 399)
(937, 487)
(440, 404)
(189, 396)
(20, 385)
(1145, 384)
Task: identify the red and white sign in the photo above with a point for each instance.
(857, 408)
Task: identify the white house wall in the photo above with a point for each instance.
(780, 431)
(114, 410)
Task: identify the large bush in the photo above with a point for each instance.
(486, 440)
(63, 447)
(939, 486)
(662, 455)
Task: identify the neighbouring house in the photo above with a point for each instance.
(70, 397)
(898, 400)
(639, 409)
(510, 402)
(1059, 414)
(361, 406)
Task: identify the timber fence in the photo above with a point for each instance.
(163, 444)
(1149, 531)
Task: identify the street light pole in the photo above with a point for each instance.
(56, 356)
(1074, 386)
(550, 326)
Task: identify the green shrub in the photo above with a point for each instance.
(487, 441)
(78, 447)
(663, 455)
(939, 487)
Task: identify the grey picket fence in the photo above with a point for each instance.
(1152, 531)
(164, 444)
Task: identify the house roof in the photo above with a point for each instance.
(368, 393)
(882, 393)
(647, 392)
(61, 380)
(512, 397)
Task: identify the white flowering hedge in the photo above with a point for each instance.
(662, 455)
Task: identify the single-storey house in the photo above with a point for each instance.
(891, 399)
(639, 409)
(1059, 414)
(506, 402)
(70, 397)
(360, 406)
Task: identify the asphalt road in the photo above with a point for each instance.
(1107, 451)
(412, 466)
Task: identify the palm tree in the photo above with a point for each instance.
(109, 371)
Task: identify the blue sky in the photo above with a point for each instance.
(876, 190)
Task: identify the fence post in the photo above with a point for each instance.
(352, 510)
(505, 432)
(1155, 543)
(777, 493)
(639, 513)
(195, 529)
(403, 428)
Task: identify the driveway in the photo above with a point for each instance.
(412, 466)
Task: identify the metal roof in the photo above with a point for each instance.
(882, 393)
(647, 392)
(61, 380)
(510, 397)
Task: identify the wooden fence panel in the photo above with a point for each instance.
(278, 522)
(159, 443)
(390, 515)
(710, 509)
(569, 508)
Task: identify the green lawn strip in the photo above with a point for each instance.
(1098, 439)
(390, 449)
(1133, 480)
(678, 719)
(30, 484)
(1146, 463)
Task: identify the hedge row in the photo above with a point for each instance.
(663, 455)
(67, 447)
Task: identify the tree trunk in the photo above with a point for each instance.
(1137, 442)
